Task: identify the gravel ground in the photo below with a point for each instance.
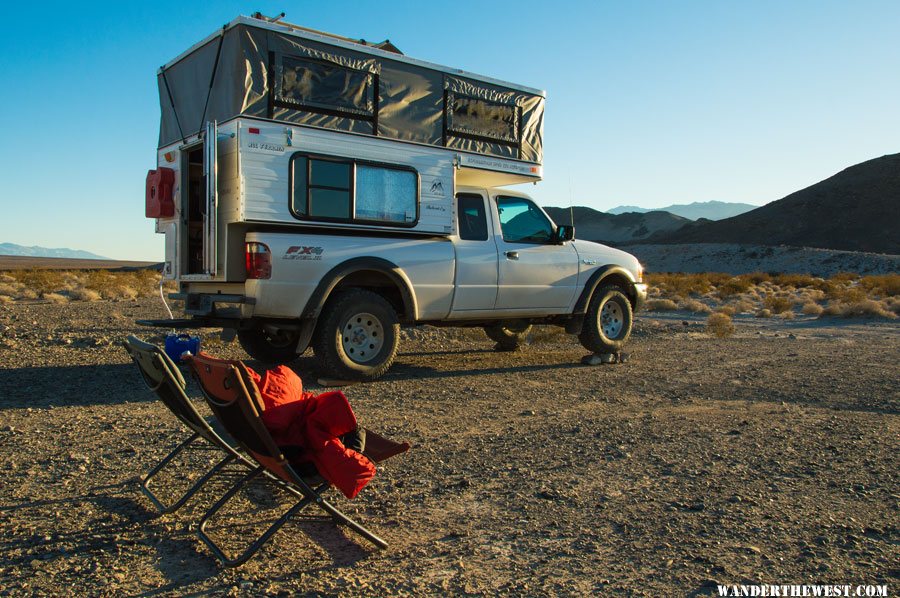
(767, 457)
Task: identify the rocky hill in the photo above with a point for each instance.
(594, 225)
(857, 209)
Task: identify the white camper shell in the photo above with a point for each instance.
(306, 181)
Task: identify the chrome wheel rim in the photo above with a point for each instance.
(362, 337)
(612, 320)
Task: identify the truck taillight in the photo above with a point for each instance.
(259, 261)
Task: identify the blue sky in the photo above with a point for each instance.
(649, 102)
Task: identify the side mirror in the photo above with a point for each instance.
(564, 232)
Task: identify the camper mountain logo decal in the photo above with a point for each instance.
(303, 252)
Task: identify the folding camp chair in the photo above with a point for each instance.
(164, 379)
(235, 400)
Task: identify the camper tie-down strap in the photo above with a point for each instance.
(172, 102)
(212, 78)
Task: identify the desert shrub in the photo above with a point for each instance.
(694, 306)
(734, 286)
(7, 278)
(786, 315)
(885, 285)
(84, 295)
(686, 284)
(764, 313)
(867, 308)
(757, 277)
(661, 305)
(844, 277)
(794, 280)
(812, 309)
(42, 281)
(6, 299)
(720, 324)
(728, 310)
(9, 289)
(742, 306)
(893, 304)
(56, 298)
(778, 304)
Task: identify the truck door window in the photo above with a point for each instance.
(522, 222)
(472, 218)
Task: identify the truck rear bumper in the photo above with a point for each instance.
(205, 304)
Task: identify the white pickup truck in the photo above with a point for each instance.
(314, 208)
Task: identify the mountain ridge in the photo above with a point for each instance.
(711, 210)
(56, 252)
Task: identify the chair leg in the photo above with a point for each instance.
(340, 518)
(145, 483)
(262, 539)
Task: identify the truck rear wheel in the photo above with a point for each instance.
(607, 324)
(357, 336)
(508, 334)
(269, 344)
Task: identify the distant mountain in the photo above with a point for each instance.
(711, 210)
(593, 225)
(858, 209)
(13, 249)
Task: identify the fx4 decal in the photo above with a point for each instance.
(303, 252)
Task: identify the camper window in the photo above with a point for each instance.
(320, 86)
(327, 189)
(483, 119)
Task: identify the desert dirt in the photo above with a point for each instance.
(768, 457)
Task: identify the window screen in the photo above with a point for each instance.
(323, 86)
(471, 217)
(385, 194)
(482, 118)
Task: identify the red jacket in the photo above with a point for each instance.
(313, 422)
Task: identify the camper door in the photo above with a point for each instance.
(198, 212)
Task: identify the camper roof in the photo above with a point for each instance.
(345, 42)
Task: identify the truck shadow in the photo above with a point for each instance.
(408, 371)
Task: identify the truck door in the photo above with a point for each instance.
(534, 272)
(476, 256)
(199, 208)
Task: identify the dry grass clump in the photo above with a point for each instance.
(9, 289)
(867, 308)
(812, 309)
(6, 299)
(694, 306)
(884, 285)
(7, 278)
(764, 313)
(720, 324)
(661, 305)
(56, 298)
(778, 304)
(84, 295)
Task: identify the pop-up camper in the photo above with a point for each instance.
(296, 168)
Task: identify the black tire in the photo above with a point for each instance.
(607, 324)
(508, 334)
(357, 336)
(270, 345)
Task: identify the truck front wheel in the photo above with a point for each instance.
(607, 324)
(270, 345)
(357, 336)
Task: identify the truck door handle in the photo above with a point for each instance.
(512, 255)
